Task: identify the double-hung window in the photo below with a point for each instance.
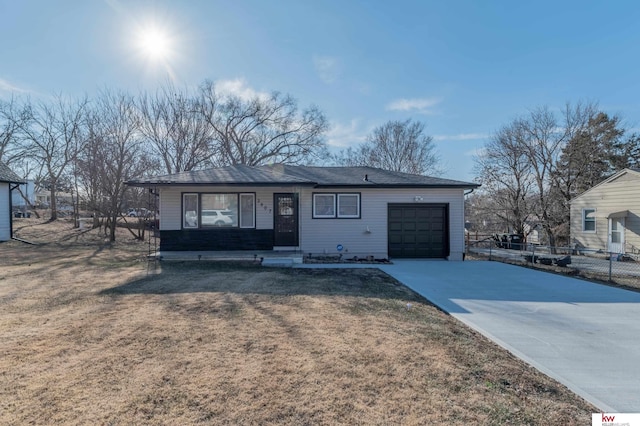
(324, 205)
(349, 205)
(589, 220)
(247, 210)
(336, 205)
(190, 211)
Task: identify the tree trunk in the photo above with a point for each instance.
(112, 228)
(53, 205)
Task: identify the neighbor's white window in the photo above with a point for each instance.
(189, 210)
(589, 220)
(247, 210)
(324, 205)
(349, 205)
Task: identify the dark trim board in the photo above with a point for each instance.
(216, 239)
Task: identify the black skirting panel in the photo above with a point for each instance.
(216, 239)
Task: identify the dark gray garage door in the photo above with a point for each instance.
(418, 230)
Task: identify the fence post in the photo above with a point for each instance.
(610, 264)
(533, 255)
(490, 248)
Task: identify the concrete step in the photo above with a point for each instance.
(279, 262)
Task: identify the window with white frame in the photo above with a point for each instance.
(349, 205)
(190, 210)
(589, 220)
(331, 206)
(324, 205)
(247, 210)
(223, 210)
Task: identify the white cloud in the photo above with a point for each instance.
(240, 88)
(460, 137)
(346, 135)
(327, 67)
(421, 105)
(6, 86)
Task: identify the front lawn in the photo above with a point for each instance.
(92, 334)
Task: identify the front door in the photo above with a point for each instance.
(616, 235)
(285, 220)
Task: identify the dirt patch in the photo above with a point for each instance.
(96, 334)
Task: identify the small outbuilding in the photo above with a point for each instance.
(8, 181)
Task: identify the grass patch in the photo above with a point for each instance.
(98, 337)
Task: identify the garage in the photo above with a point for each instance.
(418, 230)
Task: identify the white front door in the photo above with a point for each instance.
(616, 235)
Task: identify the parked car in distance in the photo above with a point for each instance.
(139, 212)
(217, 218)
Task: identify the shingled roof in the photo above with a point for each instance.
(279, 174)
(369, 176)
(6, 175)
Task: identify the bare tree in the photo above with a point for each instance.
(51, 134)
(115, 154)
(262, 129)
(555, 162)
(399, 146)
(11, 120)
(175, 125)
(506, 177)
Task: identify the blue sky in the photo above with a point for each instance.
(465, 68)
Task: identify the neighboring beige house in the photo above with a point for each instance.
(353, 211)
(607, 216)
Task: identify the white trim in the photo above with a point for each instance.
(617, 247)
(253, 211)
(357, 215)
(185, 225)
(595, 222)
(324, 216)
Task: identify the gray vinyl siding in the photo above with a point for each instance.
(620, 194)
(171, 203)
(322, 236)
(5, 213)
(319, 236)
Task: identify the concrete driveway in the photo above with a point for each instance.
(585, 335)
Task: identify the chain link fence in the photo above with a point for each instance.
(594, 264)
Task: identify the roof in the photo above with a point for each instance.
(7, 175)
(632, 171)
(302, 175)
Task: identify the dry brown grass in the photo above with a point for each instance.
(91, 335)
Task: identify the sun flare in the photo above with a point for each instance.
(154, 43)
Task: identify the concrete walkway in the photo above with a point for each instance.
(585, 335)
